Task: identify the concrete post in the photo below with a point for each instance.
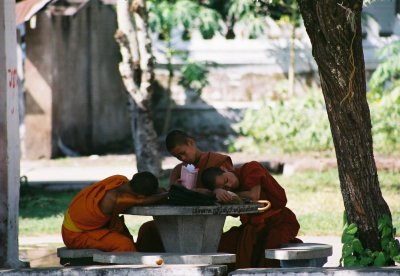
(9, 137)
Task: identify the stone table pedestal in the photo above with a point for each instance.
(191, 229)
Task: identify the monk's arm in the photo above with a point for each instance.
(127, 200)
(175, 175)
(152, 199)
(253, 193)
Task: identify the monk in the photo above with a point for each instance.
(92, 219)
(184, 148)
(258, 232)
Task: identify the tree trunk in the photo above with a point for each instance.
(137, 71)
(334, 28)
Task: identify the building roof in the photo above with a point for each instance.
(24, 10)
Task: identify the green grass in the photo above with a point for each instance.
(313, 196)
(316, 200)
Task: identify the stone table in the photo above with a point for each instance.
(191, 229)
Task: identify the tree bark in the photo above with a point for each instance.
(137, 71)
(334, 28)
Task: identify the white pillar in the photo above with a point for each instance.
(9, 138)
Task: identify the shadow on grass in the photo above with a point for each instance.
(41, 202)
(38, 202)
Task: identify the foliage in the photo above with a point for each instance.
(354, 254)
(165, 18)
(301, 124)
(386, 77)
(186, 15)
(194, 76)
(384, 98)
(251, 14)
(292, 125)
(385, 113)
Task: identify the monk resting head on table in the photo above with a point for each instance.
(92, 219)
(269, 229)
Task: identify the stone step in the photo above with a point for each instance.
(76, 257)
(137, 258)
(110, 270)
(63, 252)
(317, 271)
(301, 254)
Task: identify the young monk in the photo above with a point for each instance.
(258, 232)
(92, 219)
(184, 148)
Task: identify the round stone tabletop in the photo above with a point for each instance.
(168, 210)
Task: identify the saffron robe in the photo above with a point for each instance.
(258, 232)
(86, 226)
(149, 239)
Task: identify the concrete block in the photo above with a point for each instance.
(122, 270)
(299, 251)
(63, 252)
(301, 254)
(76, 257)
(139, 258)
(317, 271)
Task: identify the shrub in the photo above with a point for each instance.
(300, 124)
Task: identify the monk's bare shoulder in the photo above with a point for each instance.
(108, 201)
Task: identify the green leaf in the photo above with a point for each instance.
(349, 261)
(385, 242)
(351, 229)
(357, 246)
(347, 250)
(380, 260)
(346, 238)
(394, 248)
(397, 259)
(345, 222)
(368, 252)
(366, 261)
(386, 232)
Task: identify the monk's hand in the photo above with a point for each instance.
(222, 195)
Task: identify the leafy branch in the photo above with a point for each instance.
(354, 254)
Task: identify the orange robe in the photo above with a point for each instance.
(262, 231)
(86, 226)
(149, 239)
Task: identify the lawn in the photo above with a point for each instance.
(313, 196)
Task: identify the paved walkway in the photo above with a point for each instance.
(95, 167)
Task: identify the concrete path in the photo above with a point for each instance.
(93, 168)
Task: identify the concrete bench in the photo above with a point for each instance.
(141, 258)
(76, 257)
(301, 254)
